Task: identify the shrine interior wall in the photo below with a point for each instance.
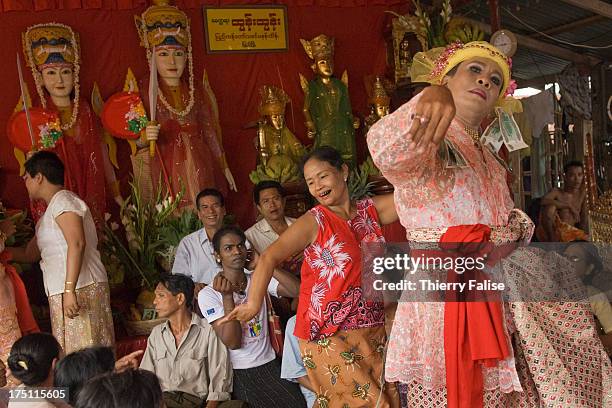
(110, 45)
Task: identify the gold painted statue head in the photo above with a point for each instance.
(272, 105)
(378, 98)
(321, 50)
(163, 25)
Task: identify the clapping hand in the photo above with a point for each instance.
(252, 258)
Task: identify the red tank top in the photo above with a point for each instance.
(331, 293)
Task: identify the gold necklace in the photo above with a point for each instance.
(239, 287)
(474, 134)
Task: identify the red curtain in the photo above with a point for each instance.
(110, 45)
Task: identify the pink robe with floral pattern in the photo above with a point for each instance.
(429, 196)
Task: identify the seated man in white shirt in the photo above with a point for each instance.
(191, 362)
(256, 370)
(195, 253)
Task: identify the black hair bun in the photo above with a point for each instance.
(23, 367)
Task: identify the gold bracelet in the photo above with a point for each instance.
(68, 283)
(68, 290)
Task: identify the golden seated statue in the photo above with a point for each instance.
(279, 151)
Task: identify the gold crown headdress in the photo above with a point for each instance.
(50, 45)
(432, 66)
(53, 45)
(273, 100)
(377, 93)
(319, 48)
(163, 25)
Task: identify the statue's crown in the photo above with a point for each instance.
(163, 25)
(320, 47)
(273, 100)
(378, 94)
(50, 44)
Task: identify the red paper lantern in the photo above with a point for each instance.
(124, 115)
(43, 121)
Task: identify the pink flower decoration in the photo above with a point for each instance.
(511, 88)
(442, 60)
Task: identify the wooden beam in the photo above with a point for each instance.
(570, 26)
(545, 47)
(596, 6)
(494, 13)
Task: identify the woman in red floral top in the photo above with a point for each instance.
(341, 331)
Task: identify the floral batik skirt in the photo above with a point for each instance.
(94, 324)
(346, 369)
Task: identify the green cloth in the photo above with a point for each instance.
(330, 109)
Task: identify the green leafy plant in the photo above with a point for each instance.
(171, 233)
(135, 256)
(435, 29)
(358, 184)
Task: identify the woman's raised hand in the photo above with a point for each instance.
(432, 116)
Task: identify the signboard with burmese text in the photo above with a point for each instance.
(246, 29)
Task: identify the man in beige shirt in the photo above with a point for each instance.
(190, 361)
(269, 197)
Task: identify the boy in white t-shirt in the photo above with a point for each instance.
(256, 370)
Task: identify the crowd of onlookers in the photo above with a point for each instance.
(88, 378)
(215, 348)
(197, 361)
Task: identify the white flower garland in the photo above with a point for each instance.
(27, 48)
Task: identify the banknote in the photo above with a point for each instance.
(510, 131)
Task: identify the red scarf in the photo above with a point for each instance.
(26, 321)
(473, 331)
